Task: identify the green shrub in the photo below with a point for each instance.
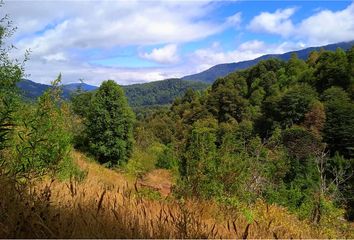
(167, 159)
(43, 138)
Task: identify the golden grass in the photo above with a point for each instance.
(106, 206)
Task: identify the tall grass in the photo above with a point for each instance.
(105, 205)
(55, 209)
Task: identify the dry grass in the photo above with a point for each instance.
(106, 206)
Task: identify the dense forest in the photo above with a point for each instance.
(282, 131)
(266, 152)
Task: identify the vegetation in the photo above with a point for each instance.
(275, 131)
(143, 95)
(159, 92)
(266, 152)
(109, 123)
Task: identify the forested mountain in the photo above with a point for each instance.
(139, 95)
(31, 90)
(159, 92)
(221, 70)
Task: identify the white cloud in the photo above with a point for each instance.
(328, 26)
(64, 36)
(324, 27)
(254, 45)
(277, 22)
(234, 20)
(205, 58)
(167, 54)
(44, 72)
(106, 24)
(55, 57)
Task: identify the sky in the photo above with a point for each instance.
(137, 41)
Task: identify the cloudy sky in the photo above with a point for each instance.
(134, 41)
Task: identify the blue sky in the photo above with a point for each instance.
(140, 41)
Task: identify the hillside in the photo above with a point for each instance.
(107, 205)
(139, 95)
(31, 90)
(221, 70)
(159, 92)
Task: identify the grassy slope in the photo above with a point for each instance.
(106, 205)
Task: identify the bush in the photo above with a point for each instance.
(43, 138)
(167, 159)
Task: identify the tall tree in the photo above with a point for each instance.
(109, 124)
(339, 126)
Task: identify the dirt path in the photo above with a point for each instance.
(159, 180)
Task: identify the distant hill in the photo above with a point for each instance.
(74, 86)
(221, 70)
(145, 94)
(159, 92)
(31, 90)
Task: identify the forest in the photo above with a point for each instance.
(263, 152)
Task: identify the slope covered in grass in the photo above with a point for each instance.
(106, 205)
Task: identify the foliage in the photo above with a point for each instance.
(11, 72)
(269, 131)
(143, 160)
(159, 92)
(339, 126)
(43, 140)
(109, 124)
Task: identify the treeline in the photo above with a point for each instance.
(280, 131)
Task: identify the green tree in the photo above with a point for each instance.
(109, 124)
(294, 104)
(44, 139)
(339, 126)
(200, 165)
(10, 73)
(332, 69)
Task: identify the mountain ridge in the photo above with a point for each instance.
(221, 70)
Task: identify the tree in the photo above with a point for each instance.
(332, 70)
(44, 139)
(200, 165)
(294, 104)
(10, 74)
(339, 126)
(315, 119)
(109, 124)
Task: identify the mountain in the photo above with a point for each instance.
(145, 94)
(221, 70)
(74, 86)
(159, 92)
(32, 90)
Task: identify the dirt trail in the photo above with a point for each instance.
(159, 179)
